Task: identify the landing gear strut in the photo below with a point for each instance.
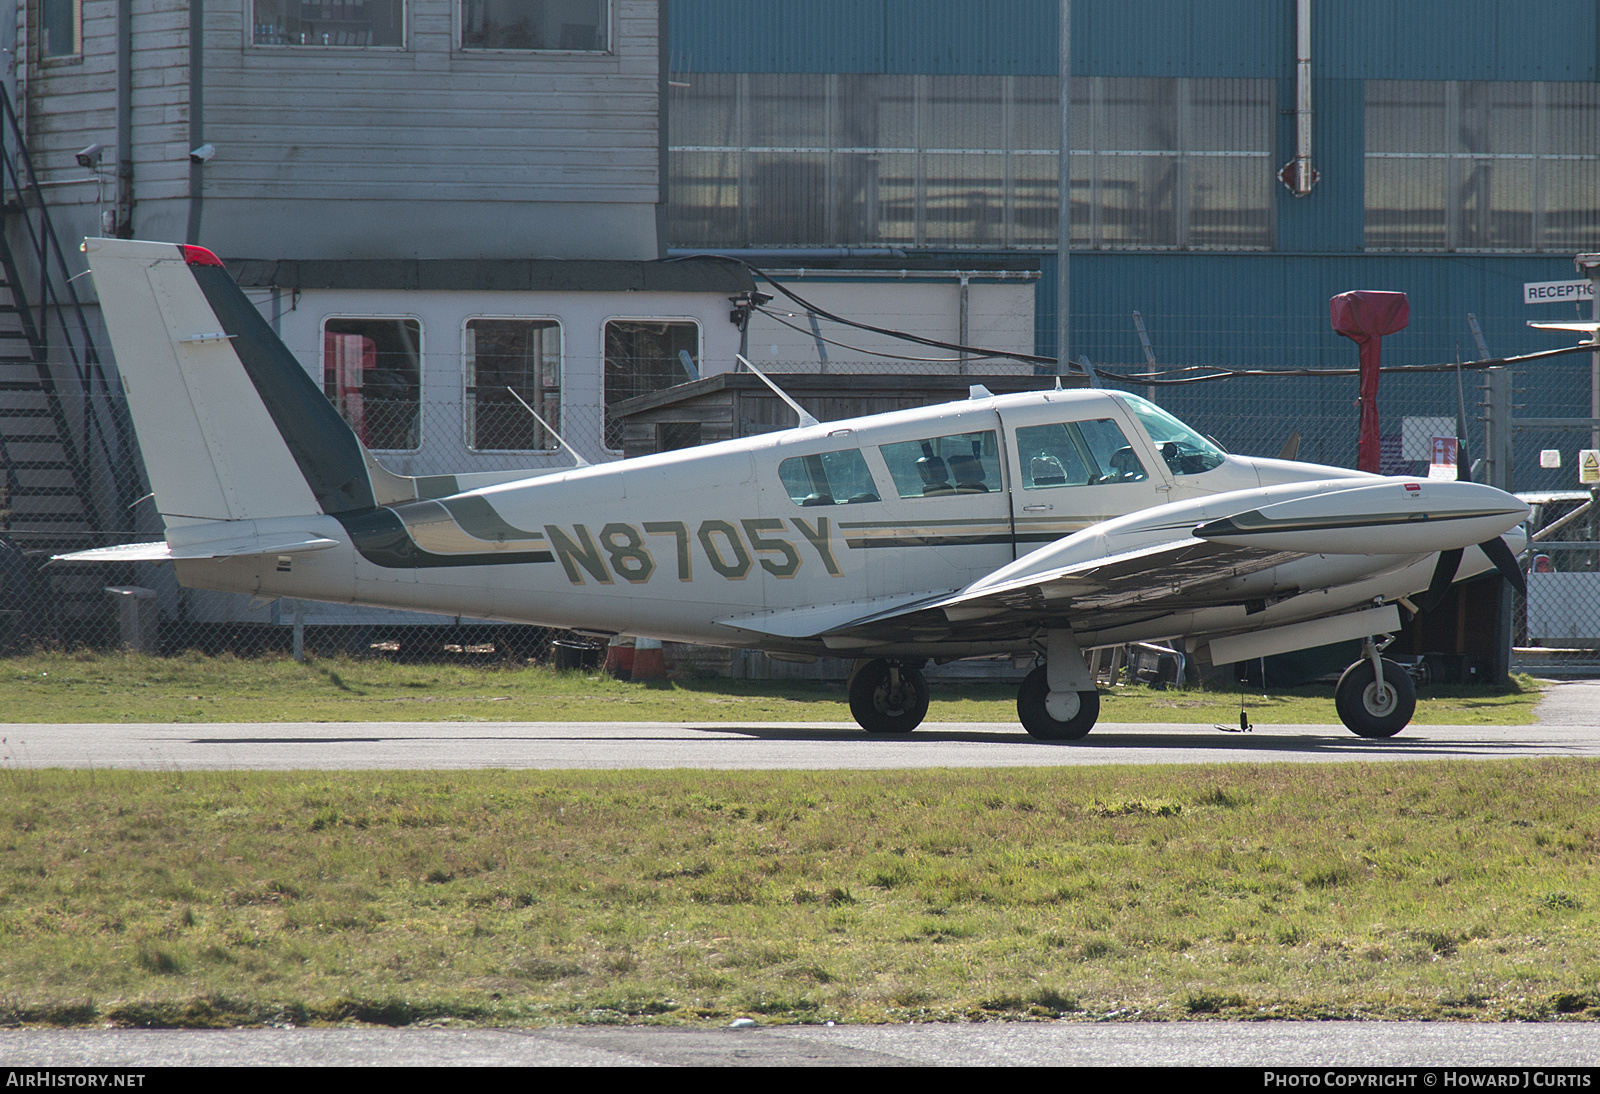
(1058, 700)
(888, 696)
(1370, 707)
(1055, 715)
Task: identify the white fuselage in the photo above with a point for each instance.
(717, 544)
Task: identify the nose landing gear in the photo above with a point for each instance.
(1375, 697)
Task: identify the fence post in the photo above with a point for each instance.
(1497, 427)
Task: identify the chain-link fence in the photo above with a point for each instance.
(140, 604)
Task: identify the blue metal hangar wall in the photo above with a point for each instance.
(1457, 144)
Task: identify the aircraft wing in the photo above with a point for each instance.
(1155, 579)
(1191, 555)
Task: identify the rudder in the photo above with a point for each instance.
(230, 425)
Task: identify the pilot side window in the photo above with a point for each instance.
(372, 371)
(502, 356)
(828, 478)
(964, 463)
(1183, 450)
(1092, 453)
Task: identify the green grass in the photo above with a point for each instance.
(1426, 890)
(98, 687)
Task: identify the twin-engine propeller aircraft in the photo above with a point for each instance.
(1035, 526)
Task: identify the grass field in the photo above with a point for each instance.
(99, 687)
(1424, 890)
(223, 898)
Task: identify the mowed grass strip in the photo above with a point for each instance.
(1417, 890)
(87, 686)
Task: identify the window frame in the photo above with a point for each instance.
(1084, 448)
(805, 503)
(459, 45)
(76, 55)
(422, 356)
(404, 46)
(605, 406)
(992, 432)
(1396, 113)
(467, 429)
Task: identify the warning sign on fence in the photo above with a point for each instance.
(1589, 466)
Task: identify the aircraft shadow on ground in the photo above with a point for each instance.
(1264, 740)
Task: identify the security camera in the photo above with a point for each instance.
(203, 154)
(90, 157)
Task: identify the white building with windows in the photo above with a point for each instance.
(443, 206)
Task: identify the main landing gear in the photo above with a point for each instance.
(888, 696)
(1052, 715)
(1375, 697)
(1057, 700)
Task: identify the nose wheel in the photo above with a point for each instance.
(888, 697)
(1372, 708)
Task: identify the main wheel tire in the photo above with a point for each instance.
(1370, 711)
(1066, 716)
(881, 706)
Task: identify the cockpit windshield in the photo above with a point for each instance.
(1184, 450)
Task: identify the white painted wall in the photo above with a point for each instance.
(443, 316)
(1000, 316)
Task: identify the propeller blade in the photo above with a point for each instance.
(1291, 447)
(1443, 574)
(1505, 562)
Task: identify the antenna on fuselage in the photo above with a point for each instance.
(573, 452)
(805, 415)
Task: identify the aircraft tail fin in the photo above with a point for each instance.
(230, 425)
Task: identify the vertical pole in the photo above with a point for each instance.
(1149, 353)
(961, 368)
(1497, 427)
(1589, 266)
(822, 347)
(1064, 193)
(124, 206)
(1303, 173)
(197, 114)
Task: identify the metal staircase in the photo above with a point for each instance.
(68, 473)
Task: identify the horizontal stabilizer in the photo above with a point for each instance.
(234, 546)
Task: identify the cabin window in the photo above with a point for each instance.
(372, 371)
(1091, 453)
(964, 463)
(828, 478)
(312, 23)
(577, 26)
(1183, 450)
(61, 22)
(645, 356)
(506, 356)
